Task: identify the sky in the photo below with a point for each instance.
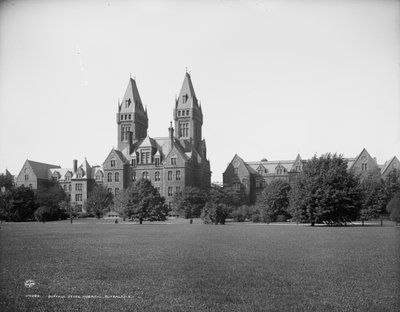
(275, 78)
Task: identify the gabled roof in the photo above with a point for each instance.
(388, 163)
(147, 142)
(131, 97)
(271, 165)
(364, 151)
(41, 170)
(61, 171)
(187, 90)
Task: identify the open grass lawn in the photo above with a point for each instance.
(183, 267)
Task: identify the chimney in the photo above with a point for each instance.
(171, 133)
(75, 165)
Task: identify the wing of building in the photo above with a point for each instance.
(253, 176)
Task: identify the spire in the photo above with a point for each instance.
(187, 96)
(131, 100)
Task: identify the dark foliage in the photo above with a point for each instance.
(325, 192)
(190, 201)
(18, 204)
(99, 201)
(142, 201)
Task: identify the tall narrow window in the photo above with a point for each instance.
(169, 190)
(364, 167)
(157, 161)
(148, 158)
(117, 177)
(109, 177)
(116, 191)
(112, 163)
(173, 160)
(178, 175)
(169, 175)
(134, 176)
(145, 175)
(157, 176)
(133, 162)
(184, 129)
(26, 177)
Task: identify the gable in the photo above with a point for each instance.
(114, 160)
(180, 157)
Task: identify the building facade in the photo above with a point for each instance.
(254, 176)
(171, 162)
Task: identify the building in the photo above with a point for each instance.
(171, 162)
(253, 176)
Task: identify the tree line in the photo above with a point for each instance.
(325, 191)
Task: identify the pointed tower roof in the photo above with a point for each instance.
(131, 100)
(187, 96)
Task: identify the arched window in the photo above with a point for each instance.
(178, 175)
(109, 177)
(117, 177)
(157, 176)
(145, 175)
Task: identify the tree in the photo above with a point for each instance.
(48, 198)
(19, 204)
(220, 203)
(392, 183)
(393, 207)
(325, 192)
(142, 201)
(6, 182)
(99, 201)
(190, 201)
(274, 201)
(373, 198)
(241, 213)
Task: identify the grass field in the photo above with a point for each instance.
(183, 267)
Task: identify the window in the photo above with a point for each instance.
(133, 162)
(185, 98)
(236, 186)
(145, 175)
(112, 163)
(129, 116)
(145, 157)
(178, 189)
(364, 167)
(134, 176)
(69, 188)
(169, 175)
(78, 197)
(116, 191)
(125, 130)
(99, 177)
(184, 129)
(298, 168)
(54, 178)
(179, 113)
(109, 177)
(117, 177)
(127, 102)
(68, 177)
(178, 175)
(79, 175)
(187, 112)
(158, 189)
(169, 190)
(157, 176)
(78, 187)
(279, 171)
(173, 160)
(26, 177)
(157, 161)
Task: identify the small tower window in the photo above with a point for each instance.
(179, 113)
(127, 102)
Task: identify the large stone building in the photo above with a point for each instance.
(171, 162)
(253, 176)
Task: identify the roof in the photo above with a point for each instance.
(388, 163)
(187, 89)
(61, 171)
(271, 165)
(41, 170)
(131, 97)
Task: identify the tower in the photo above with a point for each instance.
(132, 118)
(188, 115)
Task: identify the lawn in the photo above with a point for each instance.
(101, 266)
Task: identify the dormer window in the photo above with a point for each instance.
(145, 157)
(279, 171)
